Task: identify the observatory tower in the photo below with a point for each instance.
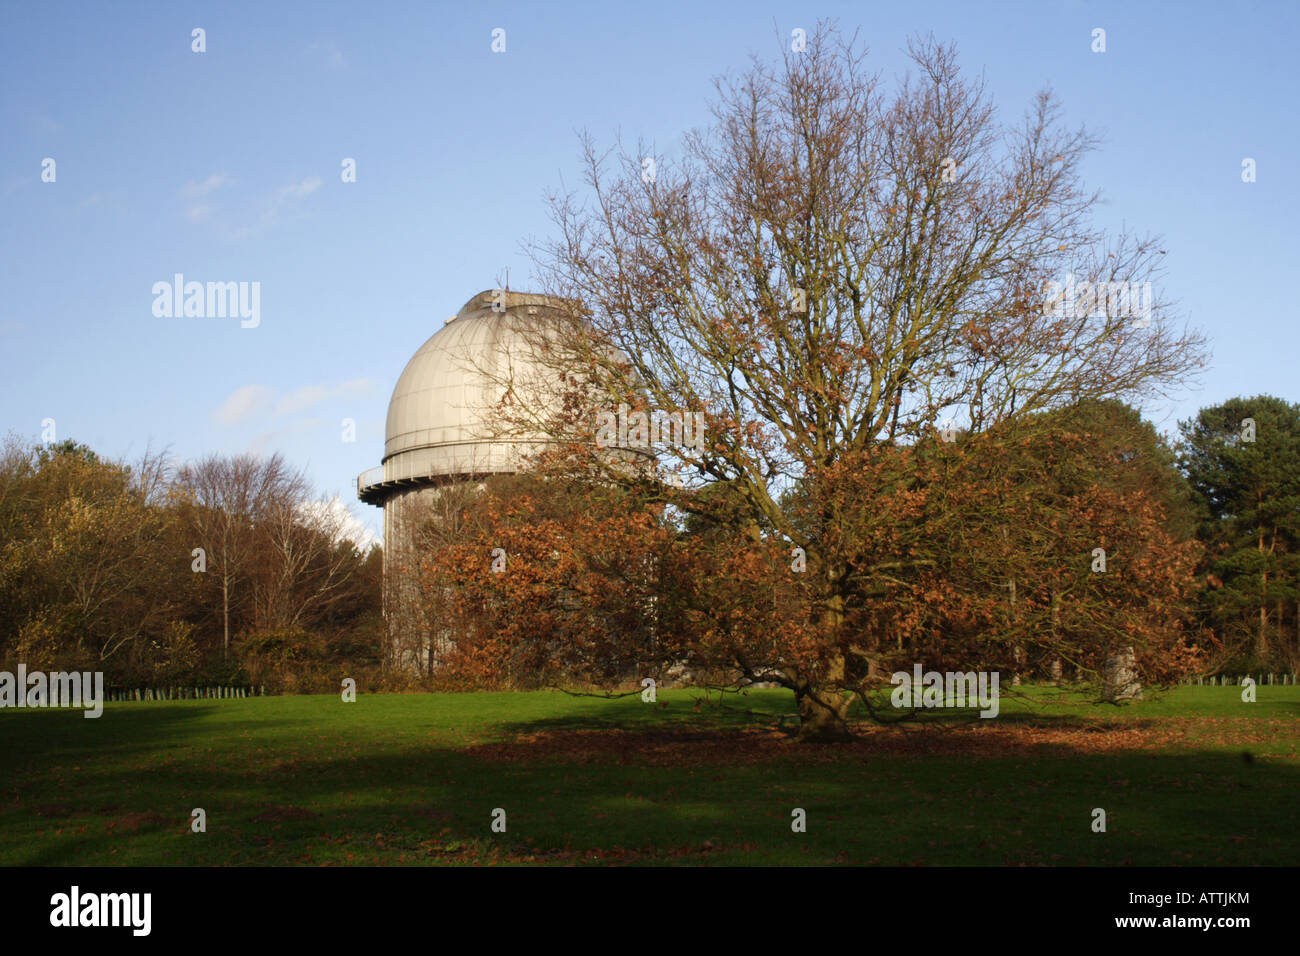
(441, 431)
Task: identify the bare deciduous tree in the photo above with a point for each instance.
(224, 500)
(830, 267)
(308, 563)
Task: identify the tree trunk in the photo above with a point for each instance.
(1281, 638)
(822, 712)
(225, 614)
(1261, 648)
(822, 715)
(1120, 675)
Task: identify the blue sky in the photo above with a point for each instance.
(225, 166)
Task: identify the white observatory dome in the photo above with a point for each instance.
(440, 418)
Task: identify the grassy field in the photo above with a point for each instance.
(1194, 777)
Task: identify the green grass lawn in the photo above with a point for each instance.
(1195, 777)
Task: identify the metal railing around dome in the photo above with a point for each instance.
(397, 472)
(472, 459)
(369, 478)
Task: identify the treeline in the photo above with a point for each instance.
(1044, 549)
(222, 572)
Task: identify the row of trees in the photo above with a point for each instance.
(226, 569)
(1046, 548)
(1041, 550)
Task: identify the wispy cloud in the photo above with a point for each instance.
(195, 190)
(273, 438)
(309, 396)
(251, 401)
(95, 199)
(285, 197)
(298, 190)
(244, 403)
(193, 193)
(327, 54)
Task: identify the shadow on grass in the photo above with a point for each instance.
(776, 710)
(27, 735)
(627, 782)
(437, 806)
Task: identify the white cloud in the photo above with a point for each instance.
(298, 190)
(244, 403)
(343, 521)
(285, 196)
(309, 396)
(197, 190)
(327, 52)
(260, 401)
(194, 192)
(95, 199)
(275, 438)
